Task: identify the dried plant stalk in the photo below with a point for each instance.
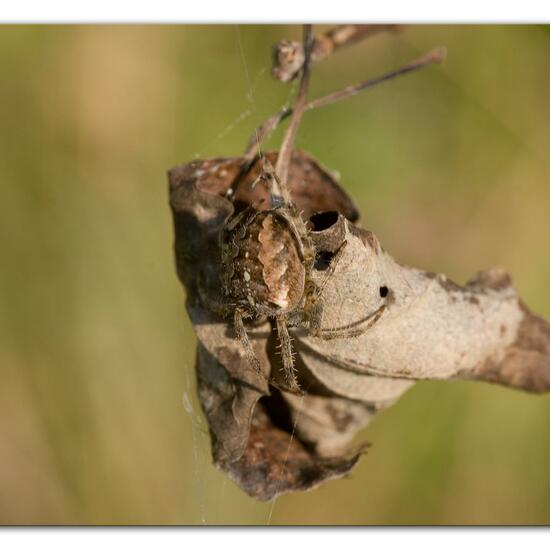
(268, 126)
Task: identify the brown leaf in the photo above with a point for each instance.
(421, 325)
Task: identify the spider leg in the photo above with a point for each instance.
(314, 306)
(292, 385)
(283, 387)
(301, 236)
(331, 269)
(219, 308)
(242, 336)
(232, 223)
(313, 316)
(287, 355)
(353, 329)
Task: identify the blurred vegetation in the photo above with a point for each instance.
(449, 167)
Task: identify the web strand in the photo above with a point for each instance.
(250, 94)
(285, 461)
(195, 434)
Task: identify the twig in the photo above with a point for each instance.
(435, 56)
(285, 153)
(263, 131)
(288, 56)
(269, 125)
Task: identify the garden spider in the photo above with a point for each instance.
(267, 259)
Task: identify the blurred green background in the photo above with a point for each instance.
(449, 167)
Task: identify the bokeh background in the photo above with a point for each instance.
(99, 421)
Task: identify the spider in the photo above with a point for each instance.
(267, 259)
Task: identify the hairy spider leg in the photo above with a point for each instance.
(217, 306)
(335, 260)
(242, 336)
(249, 211)
(287, 355)
(313, 307)
(252, 359)
(353, 329)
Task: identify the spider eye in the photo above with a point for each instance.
(384, 291)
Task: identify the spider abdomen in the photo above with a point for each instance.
(266, 270)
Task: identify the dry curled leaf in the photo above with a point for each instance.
(271, 442)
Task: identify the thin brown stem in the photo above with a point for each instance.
(268, 126)
(263, 131)
(345, 35)
(285, 153)
(435, 56)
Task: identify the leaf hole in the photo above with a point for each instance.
(323, 220)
